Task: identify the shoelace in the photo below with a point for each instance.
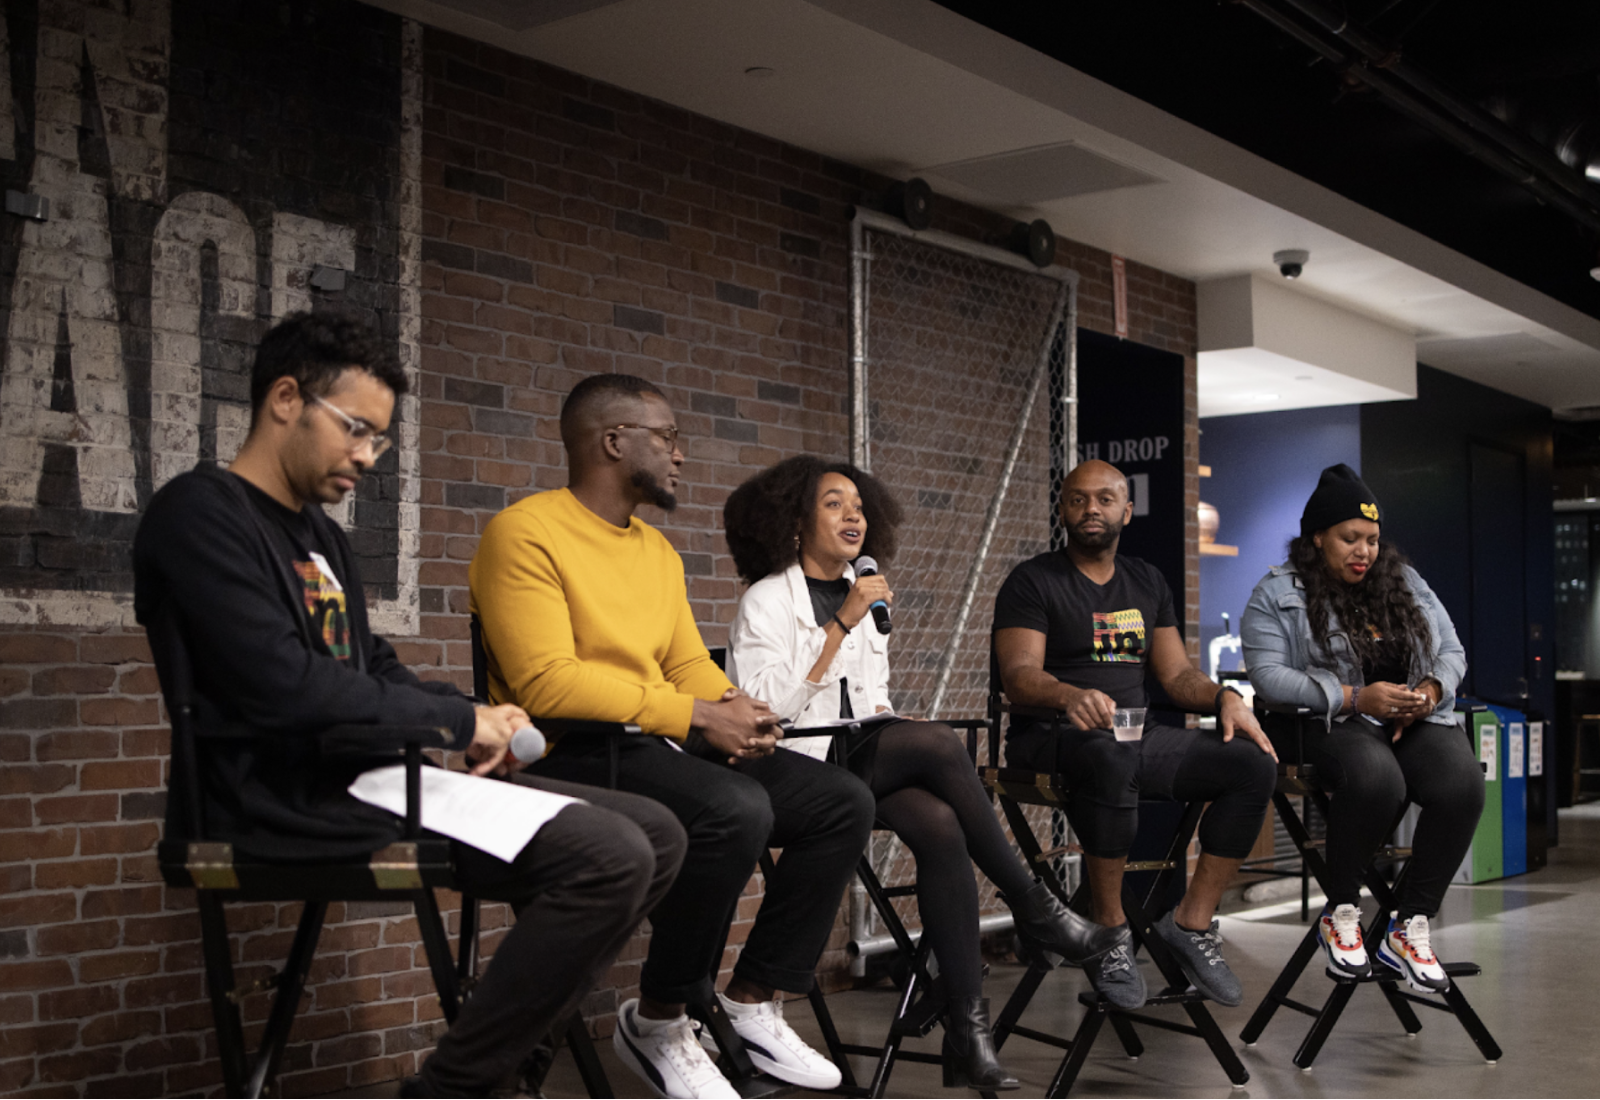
(1117, 960)
(1418, 936)
(1210, 944)
(686, 1054)
(1347, 925)
(773, 1011)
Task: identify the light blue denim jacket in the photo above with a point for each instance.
(1286, 666)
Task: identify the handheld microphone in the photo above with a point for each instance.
(527, 745)
(868, 567)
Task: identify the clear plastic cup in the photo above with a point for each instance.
(1128, 725)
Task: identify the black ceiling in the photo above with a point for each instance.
(1535, 64)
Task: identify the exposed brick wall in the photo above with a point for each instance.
(569, 227)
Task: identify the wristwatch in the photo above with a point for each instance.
(1216, 704)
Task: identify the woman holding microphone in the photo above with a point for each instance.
(805, 641)
(1349, 629)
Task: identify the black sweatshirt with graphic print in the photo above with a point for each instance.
(271, 605)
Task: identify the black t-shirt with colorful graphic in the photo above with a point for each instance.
(1096, 636)
(299, 543)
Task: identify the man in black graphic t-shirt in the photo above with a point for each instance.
(265, 588)
(1076, 634)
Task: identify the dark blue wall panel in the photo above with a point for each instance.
(1263, 467)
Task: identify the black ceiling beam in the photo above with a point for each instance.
(1428, 102)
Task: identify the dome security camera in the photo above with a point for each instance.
(1291, 261)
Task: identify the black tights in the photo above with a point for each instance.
(1370, 779)
(928, 792)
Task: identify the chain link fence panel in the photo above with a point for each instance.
(954, 343)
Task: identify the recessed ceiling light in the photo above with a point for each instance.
(1594, 272)
(1302, 378)
(1263, 398)
(758, 72)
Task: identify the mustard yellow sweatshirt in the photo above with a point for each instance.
(584, 619)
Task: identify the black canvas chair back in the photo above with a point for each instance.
(1288, 727)
(1146, 889)
(191, 857)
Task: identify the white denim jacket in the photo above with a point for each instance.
(1287, 666)
(775, 641)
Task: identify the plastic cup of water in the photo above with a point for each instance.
(1128, 725)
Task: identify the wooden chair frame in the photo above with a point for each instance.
(190, 857)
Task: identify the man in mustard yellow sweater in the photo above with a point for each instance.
(586, 615)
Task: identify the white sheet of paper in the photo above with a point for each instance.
(1535, 748)
(499, 818)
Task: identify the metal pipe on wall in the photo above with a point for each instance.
(859, 261)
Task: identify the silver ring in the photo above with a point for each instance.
(1393, 709)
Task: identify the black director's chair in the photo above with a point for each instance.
(923, 1004)
(733, 1060)
(192, 858)
(1296, 778)
(1019, 787)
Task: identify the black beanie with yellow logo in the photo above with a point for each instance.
(1340, 495)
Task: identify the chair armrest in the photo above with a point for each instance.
(352, 740)
(973, 726)
(611, 732)
(586, 727)
(357, 740)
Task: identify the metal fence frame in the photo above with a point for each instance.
(1062, 392)
(1064, 417)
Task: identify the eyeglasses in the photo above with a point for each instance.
(358, 433)
(669, 434)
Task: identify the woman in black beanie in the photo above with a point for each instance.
(1352, 631)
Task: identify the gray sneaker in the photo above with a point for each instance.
(1200, 955)
(1116, 975)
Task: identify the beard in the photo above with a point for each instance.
(654, 492)
(1097, 540)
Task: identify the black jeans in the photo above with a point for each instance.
(1107, 777)
(580, 888)
(818, 814)
(1370, 778)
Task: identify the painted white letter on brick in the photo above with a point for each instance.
(190, 222)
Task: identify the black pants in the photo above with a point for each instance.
(929, 793)
(580, 888)
(818, 814)
(1106, 778)
(1370, 779)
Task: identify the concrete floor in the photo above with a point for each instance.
(1539, 995)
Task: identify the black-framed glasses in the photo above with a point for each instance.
(669, 434)
(358, 433)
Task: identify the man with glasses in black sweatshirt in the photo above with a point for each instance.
(269, 596)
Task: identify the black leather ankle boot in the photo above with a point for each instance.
(1043, 921)
(970, 1060)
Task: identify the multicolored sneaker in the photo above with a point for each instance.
(1340, 928)
(1407, 949)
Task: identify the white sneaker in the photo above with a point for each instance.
(1340, 929)
(774, 1048)
(1408, 948)
(666, 1056)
